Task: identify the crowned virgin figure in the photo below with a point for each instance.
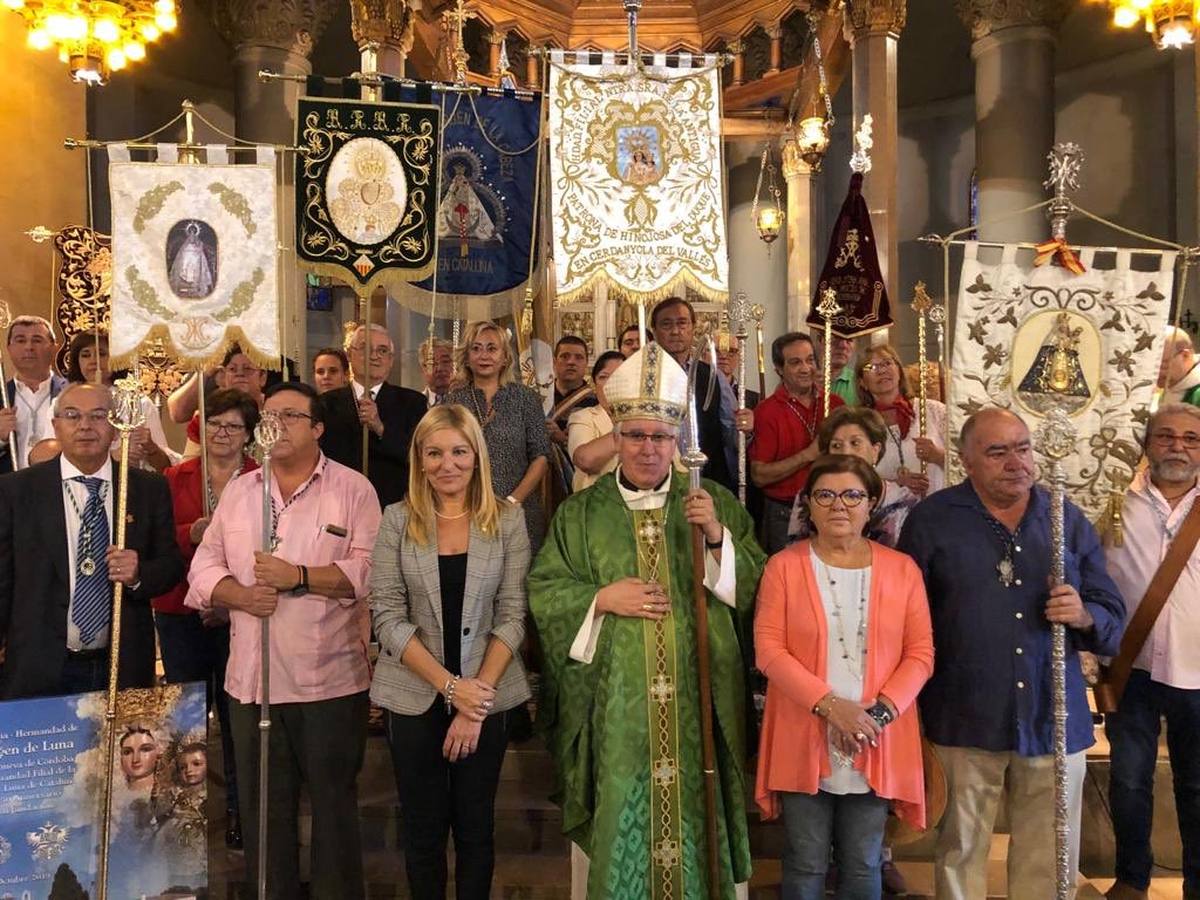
(1056, 377)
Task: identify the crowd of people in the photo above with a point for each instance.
(897, 622)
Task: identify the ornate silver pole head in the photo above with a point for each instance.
(268, 431)
(758, 312)
(5, 315)
(739, 312)
(125, 414)
(1066, 162)
(1056, 435)
(937, 314)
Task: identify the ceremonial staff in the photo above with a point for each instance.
(1055, 440)
(5, 321)
(828, 308)
(695, 459)
(125, 415)
(758, 311)
(921, 305)
(739, 315)
(266, 434)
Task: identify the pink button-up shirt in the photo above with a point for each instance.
(318, 645)
(1169, 654)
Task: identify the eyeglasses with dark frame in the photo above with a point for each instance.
(851, 497)
(292, 416)
(1189, 439)
(233, 429)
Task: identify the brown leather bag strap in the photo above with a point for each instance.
(1155, 599)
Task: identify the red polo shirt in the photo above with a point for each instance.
(783, 426)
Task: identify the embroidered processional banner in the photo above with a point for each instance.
(52, 760)
(635, 174)
(194, 251)
(366, 189)
(485, 212)
(1027, 337)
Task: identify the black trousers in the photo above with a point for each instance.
(321, 745)
(437, 796)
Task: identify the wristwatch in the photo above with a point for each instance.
(880, 713)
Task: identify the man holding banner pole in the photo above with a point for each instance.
(313, 586)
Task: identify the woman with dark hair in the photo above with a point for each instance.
(195, 645)
(842, 633)
(87, 361)
(859, 431)
(883, 386)
(448, 605)
(331, 369)
(591, 441)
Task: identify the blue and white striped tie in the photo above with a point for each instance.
(91, 607)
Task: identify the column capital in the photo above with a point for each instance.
(983, 17)
(773, 30)
(387, 23)
(291, 25)
(736, 46)
(875, 17)
(496, 37)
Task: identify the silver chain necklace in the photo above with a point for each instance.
(857, 663)
(86, 565)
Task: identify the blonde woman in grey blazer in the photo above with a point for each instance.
(448, 604)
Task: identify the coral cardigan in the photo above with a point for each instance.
(790, 642)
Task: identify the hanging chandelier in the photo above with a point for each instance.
(1173, 23)
(95, 37)
(767, 210)
(812, 132)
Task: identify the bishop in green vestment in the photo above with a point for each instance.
(611, 592)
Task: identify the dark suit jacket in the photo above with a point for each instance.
(57, 383)
(35, 580)
(387, 464)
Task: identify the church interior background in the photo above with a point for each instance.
(967, 97)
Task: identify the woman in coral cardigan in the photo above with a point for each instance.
(842, 633)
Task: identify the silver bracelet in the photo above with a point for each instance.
(448, 690)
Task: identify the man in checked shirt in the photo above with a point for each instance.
(313, 587)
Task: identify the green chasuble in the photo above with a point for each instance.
(625, 729)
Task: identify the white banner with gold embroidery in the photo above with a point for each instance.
(635, 174)
(1026, 337)
(194, 256)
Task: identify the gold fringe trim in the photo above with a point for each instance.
(685, 279)
(233, 335)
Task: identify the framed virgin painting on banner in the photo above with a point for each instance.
(366, 190)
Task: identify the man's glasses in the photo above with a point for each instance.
(851, 497)
(230, 428)
(74, 416)
(1189, 439)
(376, 352)
(292, 416)
(658, 439)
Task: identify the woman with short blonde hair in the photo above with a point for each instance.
(448, 605)
(510, 417)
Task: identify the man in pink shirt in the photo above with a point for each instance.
(313, 586)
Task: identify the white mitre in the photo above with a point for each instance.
(648, 385)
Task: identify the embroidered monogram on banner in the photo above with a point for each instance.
(366, 189)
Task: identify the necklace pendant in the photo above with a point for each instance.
(1005, 570)
(901, 472)
(87, 567)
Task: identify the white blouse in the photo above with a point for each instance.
(902, 452)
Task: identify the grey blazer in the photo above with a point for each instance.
(406, 604)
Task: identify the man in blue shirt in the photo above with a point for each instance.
(984, 547)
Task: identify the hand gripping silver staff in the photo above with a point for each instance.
(695, 459)
(922, 303)
(125, 415)
(1055, 439)
(266, 434)
(740, 312)
(5, 321)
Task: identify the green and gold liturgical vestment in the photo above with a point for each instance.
(624, 729)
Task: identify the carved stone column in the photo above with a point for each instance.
(276, 35)
(738, 50)
(1013, 48)
(775, 33)
(803, 234)
(383, 31)
(873, 30)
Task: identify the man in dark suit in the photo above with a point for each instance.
(390, 413)
(57, 563)
(673, 322)
(31, 391)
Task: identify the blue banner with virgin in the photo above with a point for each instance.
(485, 210)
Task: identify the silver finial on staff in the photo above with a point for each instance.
(1055, 440)
(739, 311)
(125, 415)
(1066, 162)
(266, 434)
(828, 308)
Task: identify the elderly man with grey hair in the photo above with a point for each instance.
(1160, 512)
(1179, 372)
(390, 414)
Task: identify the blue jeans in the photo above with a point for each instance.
(853, 824)
(1133, 735)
